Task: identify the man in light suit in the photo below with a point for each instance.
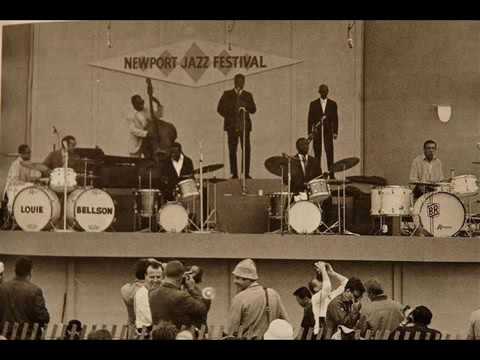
(323, 119)
(234, 106)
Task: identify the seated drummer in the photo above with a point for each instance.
(21, 169)
(178, 168)
(304, 170)
(426, 168)
(55, 158)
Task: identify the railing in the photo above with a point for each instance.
(16, 331)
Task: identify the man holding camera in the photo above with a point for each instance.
(169, 302)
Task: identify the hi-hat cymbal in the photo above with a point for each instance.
(81, 176)
(91, 161)
(275, 164)
(208, 168)
(345, 164)
(476, 162)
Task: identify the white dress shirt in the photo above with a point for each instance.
(141, 304)
(303, 162)
(137, 122)
(323, 102)
(321, 299)
(178, 164)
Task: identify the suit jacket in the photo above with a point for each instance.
(169, 303)
(22, 302)
(228, 108)
(187, 169)
(315, 113)
(312, 170)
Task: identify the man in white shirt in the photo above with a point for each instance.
(321, 288)
(143, 314)
(426, 168)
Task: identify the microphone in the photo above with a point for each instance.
(350, 43)
(55, 131)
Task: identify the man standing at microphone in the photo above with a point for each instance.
(323, 118)
(235, 106)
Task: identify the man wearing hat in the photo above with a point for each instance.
(381, 313)
(169, 302)
(254, 307)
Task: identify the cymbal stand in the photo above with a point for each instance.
(65, 191)
(202, 222)
(212, 212)
(289, 198)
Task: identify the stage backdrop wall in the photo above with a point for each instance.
(92, 103)
(409, 67)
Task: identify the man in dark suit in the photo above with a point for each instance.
(22, 301)
(304, 170)
(323, 118)
(235, 106)
(178, 168)
(169, 302)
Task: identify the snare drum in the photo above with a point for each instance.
(57, 180)
(318, 190)
(304, 217)
(35, 207)
(391, 201)
(91, 210)
(188, 188)
(278, 204)
(439, 213)
(173, 217)
(465, 185)
(149, 201)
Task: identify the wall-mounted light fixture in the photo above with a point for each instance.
(443, 112)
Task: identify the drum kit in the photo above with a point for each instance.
(36, 206)
(302, 214)
(439, 212)
(185, 213)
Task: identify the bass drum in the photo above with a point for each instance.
(305, 217)
(36, 208)
(173, 217)
(440, 214)
(91, 210)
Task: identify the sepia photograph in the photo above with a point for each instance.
(240, 180)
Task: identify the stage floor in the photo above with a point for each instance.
(236, 246)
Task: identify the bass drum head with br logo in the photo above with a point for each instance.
(173, 217)
(440, 214)
(305, 217)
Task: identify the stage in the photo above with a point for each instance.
(238, 246)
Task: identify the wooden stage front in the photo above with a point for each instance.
(236, 246)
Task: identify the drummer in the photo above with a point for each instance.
(426, 168)
(304, 170)
(178, 168)
(20, 171)
(55, 158)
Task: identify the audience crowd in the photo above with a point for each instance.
(165, 302)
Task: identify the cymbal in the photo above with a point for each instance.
(81, 176)
(215, 180)
(12, 155)
(91, 161)
(338, 181)
(208, 168)
(275, 164)
(476, 162)
(428, 183)
(345, 164)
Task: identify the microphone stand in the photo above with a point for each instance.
(65, 168)
(202, 223)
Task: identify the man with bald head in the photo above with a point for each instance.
(323, 121)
